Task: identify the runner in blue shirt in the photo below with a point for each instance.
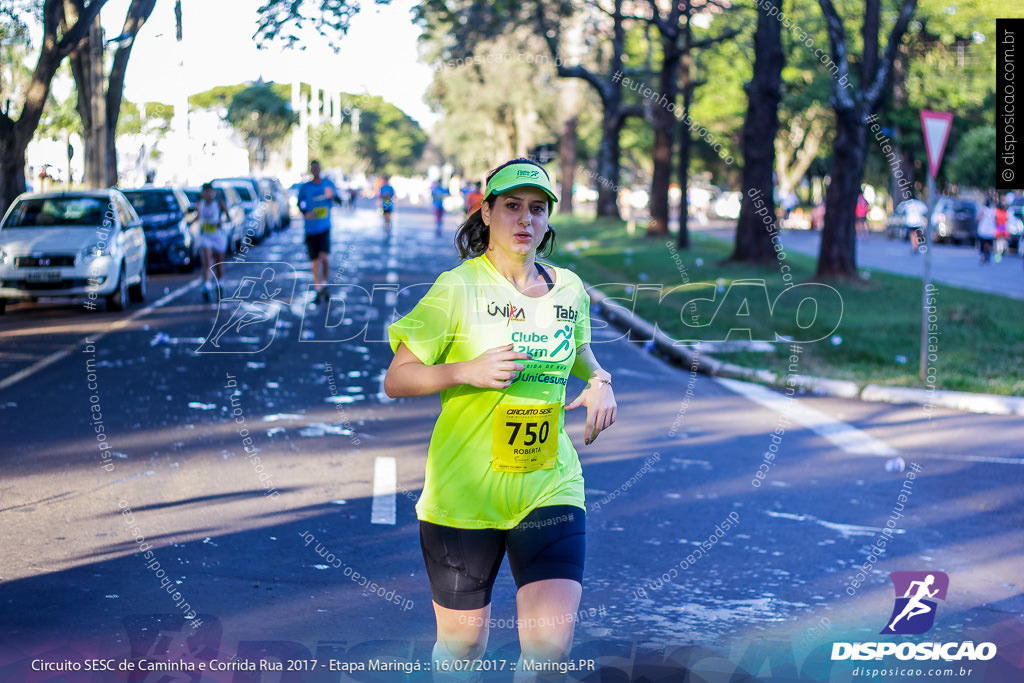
(437, 195)
(315, 200)
(387, 202)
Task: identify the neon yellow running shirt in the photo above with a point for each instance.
(467, 311)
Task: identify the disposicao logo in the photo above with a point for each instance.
(913, 613)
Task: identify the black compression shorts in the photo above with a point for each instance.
(319, 243)
(550, 543)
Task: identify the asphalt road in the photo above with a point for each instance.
(698, 568)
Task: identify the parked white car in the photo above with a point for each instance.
(87, 245)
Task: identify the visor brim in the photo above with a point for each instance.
(504, 190)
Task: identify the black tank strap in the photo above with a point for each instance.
(544, 274)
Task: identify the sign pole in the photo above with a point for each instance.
(926, 277)
(935, 126)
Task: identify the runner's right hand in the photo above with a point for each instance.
(493, 369)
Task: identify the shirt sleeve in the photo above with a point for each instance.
(429, 328)
(302, 198)
(582, 330)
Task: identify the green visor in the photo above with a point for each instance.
(519, 175)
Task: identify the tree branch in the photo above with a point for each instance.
(576, 71)
(50, 56)
(874, 92)
(837, 36)
(80, 31)
(138, 12)
(634, 110)
(728, 34)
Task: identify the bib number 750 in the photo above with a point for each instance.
(533, 433)
(525, 437)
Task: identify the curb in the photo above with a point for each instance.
(652, 337)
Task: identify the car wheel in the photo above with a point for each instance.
(188, 262)
(118, 299)
(138, 291)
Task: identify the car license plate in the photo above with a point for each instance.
(42, 276)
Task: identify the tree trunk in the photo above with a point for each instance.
(657, 226)
(15, 135)
(567, 152)
(12, 164)
(838, 255)
(609, 151)
(663, 120)
(900, 100)
(837, 258)
(664, 132)
(685, 143)
(755, 226)
(609, 88)
(81, 64)
(608, 162)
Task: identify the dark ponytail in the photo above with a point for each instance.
(473, 236)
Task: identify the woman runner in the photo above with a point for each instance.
(212, 214)
(497, 336)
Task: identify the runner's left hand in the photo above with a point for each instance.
(601, 407)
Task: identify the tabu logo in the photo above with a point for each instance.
(566, 313)
(508, 311)
(528, 173)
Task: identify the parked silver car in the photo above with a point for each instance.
(87, 244)
(272, 187)
(261, 212)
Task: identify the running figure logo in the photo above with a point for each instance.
(256, 301)
(914, 611)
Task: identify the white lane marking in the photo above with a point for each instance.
(93, 338)
(385, 486)
(969, 458)
(843, 435)
(845, 530)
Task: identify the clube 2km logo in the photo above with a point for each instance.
(913, 613)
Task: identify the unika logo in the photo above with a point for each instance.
(916, 595)
(508, 311)
(528, 173)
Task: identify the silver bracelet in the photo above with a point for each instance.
(602, 380)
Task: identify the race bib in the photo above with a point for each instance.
(209, 227)
(525, 437)
(320, 212)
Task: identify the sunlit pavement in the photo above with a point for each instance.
(695, 561)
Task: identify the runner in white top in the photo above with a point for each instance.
(211, 212)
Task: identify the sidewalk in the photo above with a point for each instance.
(955, 266)
(951, 265)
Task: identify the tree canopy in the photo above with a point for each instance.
(262, 117)
(375, 136)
